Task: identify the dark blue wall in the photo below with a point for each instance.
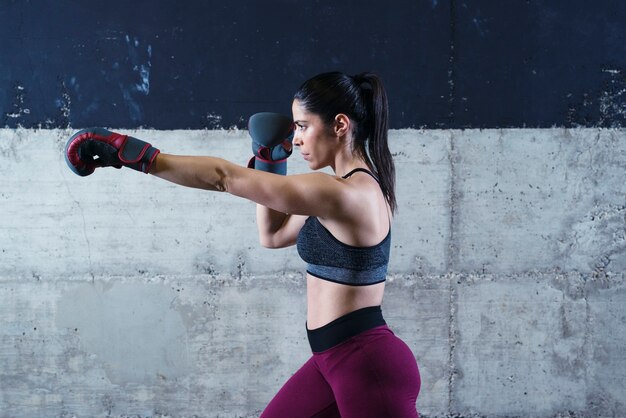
(209, 64)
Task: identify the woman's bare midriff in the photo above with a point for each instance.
(327, 301)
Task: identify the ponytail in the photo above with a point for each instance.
(378, 156)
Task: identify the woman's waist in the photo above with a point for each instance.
(345, 328)
(327, 301)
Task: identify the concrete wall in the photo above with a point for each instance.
(121, 294)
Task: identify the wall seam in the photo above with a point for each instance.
(452, 248)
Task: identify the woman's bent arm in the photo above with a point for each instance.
(277, 229)
(269, 222)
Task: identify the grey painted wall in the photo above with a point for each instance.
(121, 294)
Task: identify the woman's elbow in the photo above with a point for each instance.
(272, 241)
(266, 241)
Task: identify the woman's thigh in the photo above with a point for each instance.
(305, 395)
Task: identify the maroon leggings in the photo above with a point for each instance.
(372, 374)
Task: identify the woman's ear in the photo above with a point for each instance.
(342, 125)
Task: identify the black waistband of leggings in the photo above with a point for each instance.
(345, 327)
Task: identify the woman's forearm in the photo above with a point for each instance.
(207, 173)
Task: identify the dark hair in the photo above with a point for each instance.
(363, 99)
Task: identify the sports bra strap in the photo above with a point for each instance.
(363, 170)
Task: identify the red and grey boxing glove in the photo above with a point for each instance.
(272, 136)
(91, 148)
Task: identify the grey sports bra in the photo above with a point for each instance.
(330, 259)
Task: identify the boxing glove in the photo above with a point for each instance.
(272, 136)
(91, 148)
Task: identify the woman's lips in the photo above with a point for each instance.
(305, 156)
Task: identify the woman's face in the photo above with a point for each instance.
(313, 137)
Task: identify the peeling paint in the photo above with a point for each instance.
(19, 109)
(612, 100)
(214, 121)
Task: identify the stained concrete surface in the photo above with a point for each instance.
(121, 294)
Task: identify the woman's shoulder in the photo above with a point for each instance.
(364, 216)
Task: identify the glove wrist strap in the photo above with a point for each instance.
(138, 155)
(276, 167)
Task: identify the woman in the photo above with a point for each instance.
(342, 227)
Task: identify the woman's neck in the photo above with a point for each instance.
(346, 161)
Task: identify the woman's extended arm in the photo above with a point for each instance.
(312, 194)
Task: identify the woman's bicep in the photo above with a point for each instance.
(287, 234)
(313, 194)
